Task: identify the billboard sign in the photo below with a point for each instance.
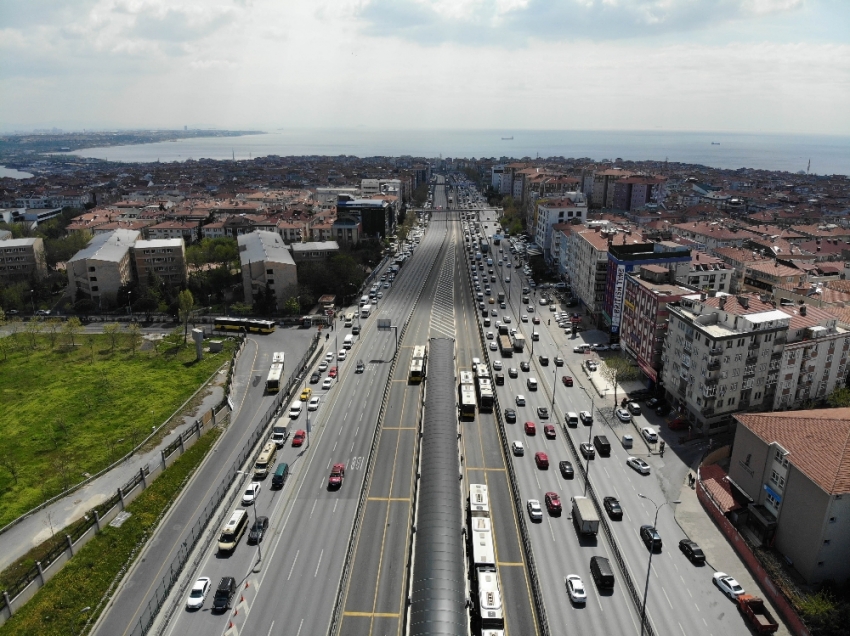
(619, 289)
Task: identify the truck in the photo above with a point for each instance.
(753, 608)
(519, 343)
(503, 330)
(280, 431)
(506, 346)
(585, 516)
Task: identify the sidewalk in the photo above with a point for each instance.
(36, 528)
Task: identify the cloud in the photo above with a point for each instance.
(514, 23)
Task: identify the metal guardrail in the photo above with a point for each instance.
(370, 464)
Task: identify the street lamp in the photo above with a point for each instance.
(254, 506)
(32, 300)
(651, 550)
(130, 304)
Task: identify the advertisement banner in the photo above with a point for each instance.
(619, 289)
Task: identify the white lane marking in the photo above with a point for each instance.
(329, 464)
(294, 561)
(667, 597)
(271, 627)
(357, 431)
(334, 448)
(314, 507)
(300, 625)
(319, 563)
(336, 501)
(352, 448)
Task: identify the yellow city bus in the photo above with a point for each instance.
(253, 325)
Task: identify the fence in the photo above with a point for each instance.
(79, 533)
(751, 561)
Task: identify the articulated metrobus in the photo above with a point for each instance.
(244, 324)
(417, 364)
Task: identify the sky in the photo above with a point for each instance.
(699, 65)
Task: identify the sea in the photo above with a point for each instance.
(819, 154)
(14, 174)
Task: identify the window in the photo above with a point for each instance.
(94, 288)
(736, 373)
(731, 400)
(738, 357)
(733, 386)
(729, 344)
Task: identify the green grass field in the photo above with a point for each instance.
(69, 411)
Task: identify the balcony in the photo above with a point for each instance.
(708, 410)
(754, 345)
(752, 359)
(776, 356)
(714, 365)
(715, 352)
(780, 340)
(711, 381)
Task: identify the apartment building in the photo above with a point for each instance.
(603, 186)
(764, 276)
(722, 355)
(645, 316)
(550, 212)
(633, 193)
(794, 468)
(588, 258)
(711, 236)
(708, 273)
(102, 268)
(627, 253)
(21, 259)
(814, 362)
(163, 258)
(186, 230)
(268, 265)
(376, 216)
(313, 250)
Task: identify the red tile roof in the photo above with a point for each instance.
(818, 442)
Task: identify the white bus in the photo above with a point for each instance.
(233, 530)
(273, 380)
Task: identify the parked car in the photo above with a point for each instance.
(634, 408)
(678, 424)
(651, 403)
(662, 409)
(728, 585)
(649, 434)
(623, 415)
(692, 551)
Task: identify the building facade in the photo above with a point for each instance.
(267, 265)
(22, 258)
(550, 212)
(102, 268)
(163, 258)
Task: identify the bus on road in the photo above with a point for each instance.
(417, 364)
(274, 378)
(244, 324)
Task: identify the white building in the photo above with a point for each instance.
(102, 268)
(268, 265)
(588, 268)
(572, 206)
(708, 273)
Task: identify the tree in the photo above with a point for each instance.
(111, 332)
(291, 306)
(134, 337)
(839, 398)
(32, 329)
(618, 369)
(185, 302)
(53, 326)
(72, 329)
(9, 461)
(91, 341)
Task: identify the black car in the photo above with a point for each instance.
(612, 507)
(544, 360)
(510, 416)
(258, 530)
(524, 366)
(650, 537)
(223, 594)
(500, 379)
(566, 469)
(662, 409)
(651, 403)
(692, 551)
(314, 379)
(543, 412)
(512, 372)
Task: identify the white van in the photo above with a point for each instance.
(572, 419)
(531, 383)
(364, 300)
(295, 409)
(348, 341)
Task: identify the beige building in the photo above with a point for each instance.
(102, 268)
(166, 258)
(588, 268)
(21, 258)
(795, 469)
(267, 264)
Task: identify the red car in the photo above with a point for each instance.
(332, 373)
(298, 439)
(567, 380)
(337, 475)
(549, 431)
(530, 428)
(542, 460)
(553, 503)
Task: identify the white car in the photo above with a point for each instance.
(517, 448)
(328, 382)
(638, 464)
(497, 365)
(575, 588)
(494, 346)
(623, 415)
(251, 493)
(534, 510)
(323, 366)
(728, 585)
(649, 434)
(341, 354)
(198, 593)
(520, 400)
(313, 404)
(329, 356)
(476, 361)
(489, 335)
(524, 317)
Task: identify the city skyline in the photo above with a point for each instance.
(734, 65)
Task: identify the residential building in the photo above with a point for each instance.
(186, 230)
(22, 258)
(570, 207)
(376, 216)
(627, 257)
(794, 468)
(721, 356)
(762, 277)
(711, 236)
(603, 186)
(267, 265)
(645, 316)
(313, 251)
(634, 193)
(588, 268)
(346, 231)
(708, 273)
(163, 258)
(102, 268)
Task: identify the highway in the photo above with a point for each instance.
(295, 587)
